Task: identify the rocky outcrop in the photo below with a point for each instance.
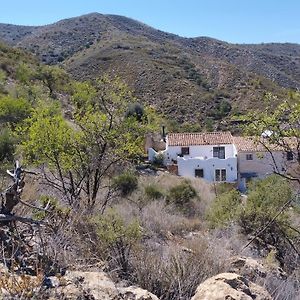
(230, 286)
(92, 285)
(135, 293)
(255, 269)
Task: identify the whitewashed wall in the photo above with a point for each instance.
(151, 154)
(262, 163)
(187, 166)
(204, 151)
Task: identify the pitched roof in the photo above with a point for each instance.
(247, 144)
(250, 144)
(199, 138)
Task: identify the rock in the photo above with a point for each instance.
(135, 293)
(97, 286)
(230, 286)
(247, 267)
(254, 269)
(91, 285)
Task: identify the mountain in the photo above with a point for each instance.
(187, 79)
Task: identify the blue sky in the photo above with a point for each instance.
(237, 21)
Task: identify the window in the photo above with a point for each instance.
(220, 174)
(289, 155)
(185, 150)
(219, 152)
(249, 156)
(199, 173)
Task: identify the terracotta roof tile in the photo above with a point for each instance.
(250, 144)
(246, 144)
(193, 139)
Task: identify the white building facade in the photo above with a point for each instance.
(220, 157)
(211, 156)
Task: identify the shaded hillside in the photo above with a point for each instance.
(183, 86)
(277, 62)
(186, 78)
(12, 34)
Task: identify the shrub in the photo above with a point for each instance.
(24, 73)
(224, 187)
(126, 183)
(13, 110)
(159, 159)
(153, 192)
(117, 239)
(159, 220)
(267, 215)
(181, 194)
(224, 209)
(221, 110)
(135, 110)
(224, 107)
(7, 145)
(265, 198)
(175, 274)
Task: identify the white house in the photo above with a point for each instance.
(254, 160)
(211, 156)
(218, 156)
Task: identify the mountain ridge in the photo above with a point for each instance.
(187, 79)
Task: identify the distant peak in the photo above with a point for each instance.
(92, 14)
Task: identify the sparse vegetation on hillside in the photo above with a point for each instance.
(84, 202)
(24, 83)
(185, 79)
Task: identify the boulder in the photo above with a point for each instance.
(230, 286)
(97, 286)
(135, 293)
(254, 269)
(90, 285)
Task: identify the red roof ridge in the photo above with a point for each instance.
(199, 138)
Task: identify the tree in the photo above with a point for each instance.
(275, 129)
(81, 156)
(54, 78)
(278, 129)
(13, 110)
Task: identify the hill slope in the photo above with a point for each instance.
(186, 78)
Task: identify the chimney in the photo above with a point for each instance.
(163, 133)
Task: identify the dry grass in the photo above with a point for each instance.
(20, 286)
(174, 271)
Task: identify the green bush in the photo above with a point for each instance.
(224, 209)
(24, 73)
(224, 108)
(181, 194)
(264, 216)
(13, 110)
(135, 110)
(224, 187)
(265, 198)
(153, 192)
(7, 145)
(117, 239)
(221, 110)
(126, 183)
(159, 159)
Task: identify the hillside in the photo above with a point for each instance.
(187, 79)
(84, 216)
